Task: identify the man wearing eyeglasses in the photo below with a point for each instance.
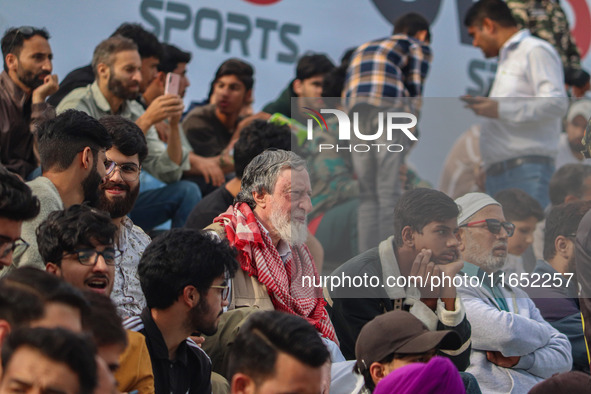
(24, 84)
(117, 67)
(17, 204)
(117, 196)
(77, 244)
(513, 347)
(184, 275)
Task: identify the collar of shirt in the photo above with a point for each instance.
(496, 295)
(160, 351)
(542, 266)
(390, 268)
(512, 43)
(402, 36)
(474, 270)
(159, 348)
(125, 227)
(181, 353)
(283, 247)
(17, 95)
(103, 104)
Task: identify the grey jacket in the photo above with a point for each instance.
(520, 332)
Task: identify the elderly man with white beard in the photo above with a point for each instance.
(513, 347)
(267, 224)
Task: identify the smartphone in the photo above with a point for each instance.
(469, 99)
(172, 85)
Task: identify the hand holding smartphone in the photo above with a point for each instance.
(172, 83)
(469, 99)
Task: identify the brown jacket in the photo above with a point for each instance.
(18, 121)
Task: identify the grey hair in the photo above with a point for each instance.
(104, 52)
(260, 175)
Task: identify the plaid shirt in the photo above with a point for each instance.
(393, 67)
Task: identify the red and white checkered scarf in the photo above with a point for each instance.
(259, 257)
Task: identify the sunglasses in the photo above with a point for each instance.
(494, 226)
(25, 31)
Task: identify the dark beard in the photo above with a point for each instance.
(119, 89)
(90, 186)
(576, 146)
(118, 207)
(196, 318)
(30, 80)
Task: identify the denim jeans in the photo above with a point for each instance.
(169, 202)
(470, 383)
(532, 178)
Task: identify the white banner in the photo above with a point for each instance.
(272, 34)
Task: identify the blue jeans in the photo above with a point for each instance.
(170, 202)
(532, 178)
(470, 383)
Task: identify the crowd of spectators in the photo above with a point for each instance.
(149, 249)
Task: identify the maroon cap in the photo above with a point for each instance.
(399, 332)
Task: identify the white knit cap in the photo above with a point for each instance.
(471, 203)
(580, 107)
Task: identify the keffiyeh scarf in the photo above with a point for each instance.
(259, 257)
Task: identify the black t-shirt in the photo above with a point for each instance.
(189, 372)
(206, 210)
(204, 131)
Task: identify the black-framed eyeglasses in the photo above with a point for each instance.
(130, 172)
(493, 225)
(7, 245)
(225, 290)
(25, 31)
(90, 256)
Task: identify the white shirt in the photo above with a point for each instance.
(530, 86)
(565, 155)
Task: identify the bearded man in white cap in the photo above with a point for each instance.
(513, 347)
(570, 146)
